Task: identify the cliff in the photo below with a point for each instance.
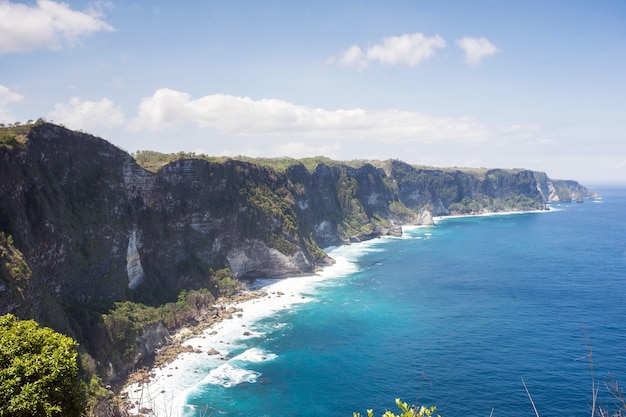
(82, 223)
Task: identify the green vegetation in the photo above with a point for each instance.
(466, 206)
(271, 208)
(310, 163)
(355, 220)
(9, 139)
(400, 211)
(125, 321)
(38, 371)
(405, 411)
(226, 285)
(12, 260)
(100, 400)
(15, 273)
(500, 204)
(15, 134)
(109, 331)
(153, 161)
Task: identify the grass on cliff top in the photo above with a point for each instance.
(153, 161)
(16, 134)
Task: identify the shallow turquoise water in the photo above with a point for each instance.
(453, 315)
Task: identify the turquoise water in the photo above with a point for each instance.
(453, 315)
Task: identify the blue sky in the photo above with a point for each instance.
(538, 84)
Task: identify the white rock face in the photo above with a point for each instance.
(373, 199)
(256, 258)
(554, 196)
(134, 269)
(425, 218)
(324, 229)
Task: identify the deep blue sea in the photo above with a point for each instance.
(453, 315)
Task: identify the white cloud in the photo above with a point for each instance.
(47, 24)
(243, 116)
(407, 49)
(476, 49)
(87, 115)
(352, 57)
(6, 98)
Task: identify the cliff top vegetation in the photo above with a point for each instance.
(16, 134)
(153, 161)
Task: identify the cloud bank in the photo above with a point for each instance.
(243, 116)
(47, 24)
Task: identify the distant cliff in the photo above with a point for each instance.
(81, 222)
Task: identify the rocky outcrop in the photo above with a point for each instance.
(253, 258)
(554, 191)
(425, 218)
(152, 337)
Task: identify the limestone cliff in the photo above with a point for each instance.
(83, 223)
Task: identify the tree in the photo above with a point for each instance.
(38, 371)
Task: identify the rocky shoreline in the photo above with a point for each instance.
(161, 389)
(224, 309)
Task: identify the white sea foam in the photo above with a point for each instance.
(255, 355)
(438, 219)
(234, 372)
(412, 228)
(229, 375)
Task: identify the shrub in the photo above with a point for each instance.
(406, 411)
(38, 371)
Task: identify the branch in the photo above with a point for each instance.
(531, 398)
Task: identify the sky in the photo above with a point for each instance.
(536, 84)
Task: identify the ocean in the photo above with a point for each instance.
(456, 315)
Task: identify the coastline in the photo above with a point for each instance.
(226, 308)
(163, 389)
(437, 219)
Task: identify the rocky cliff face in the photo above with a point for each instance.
(90, 224)
(64, 202)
